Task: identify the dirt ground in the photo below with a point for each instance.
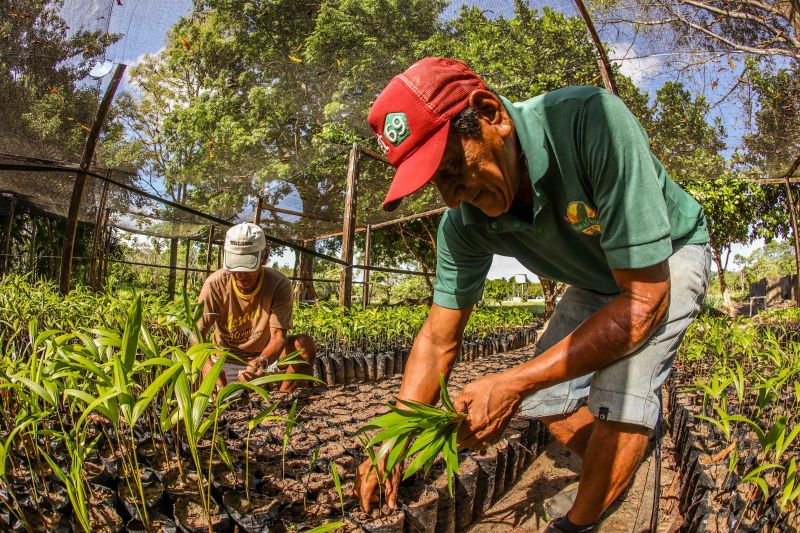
(557, 468)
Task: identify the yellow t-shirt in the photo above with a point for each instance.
(242, 323)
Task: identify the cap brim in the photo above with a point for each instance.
(242, 262)
(417, 169)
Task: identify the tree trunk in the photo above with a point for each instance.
(723, 286)
(304, 268)
(552, 290)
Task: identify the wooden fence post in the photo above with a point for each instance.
(348, 228)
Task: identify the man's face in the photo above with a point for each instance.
(246, 281)
(483, 172)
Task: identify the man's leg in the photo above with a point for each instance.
(612, 456)
(572, 430)
(308, 351)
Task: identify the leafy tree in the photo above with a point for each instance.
(774, 259)
(45, 109)
(689, 146)
(774, 145)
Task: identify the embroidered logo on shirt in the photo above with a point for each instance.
(583, 218)
(395, 128)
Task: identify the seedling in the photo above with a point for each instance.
(420, 431)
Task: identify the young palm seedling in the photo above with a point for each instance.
(420, 431)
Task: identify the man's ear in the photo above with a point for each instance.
(487, 105)
(265, 256)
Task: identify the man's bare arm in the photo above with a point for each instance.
(613, 332)
(435, 349)
(273, 349)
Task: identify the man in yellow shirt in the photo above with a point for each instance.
(250, 307)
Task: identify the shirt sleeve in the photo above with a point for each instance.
(461, 267)
(210, 311)
(281, 312)
(627, 186)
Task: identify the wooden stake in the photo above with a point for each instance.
(186, 264)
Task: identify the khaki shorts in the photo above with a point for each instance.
(626, 390)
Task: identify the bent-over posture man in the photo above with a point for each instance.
(566, 183)
(250, 307)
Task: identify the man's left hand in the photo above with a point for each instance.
(489, 402)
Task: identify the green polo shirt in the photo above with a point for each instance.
(601, 201)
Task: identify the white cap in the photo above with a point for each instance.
(244, 248)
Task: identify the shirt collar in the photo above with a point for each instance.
(532, 139)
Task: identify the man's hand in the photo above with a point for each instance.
(489, 402)
(367, 484)
(254, 370)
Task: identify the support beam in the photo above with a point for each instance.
(793, 219)
(257, 216)
(348, 228)
(98, 232)
(9, 227)
(208, 249)
(432, 212)
(602, 57)
(80, 179)
(106, 251)
(186, 264)
(32, 259)
(173, 265)
(367, 262)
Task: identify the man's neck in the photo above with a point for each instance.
(522, 205)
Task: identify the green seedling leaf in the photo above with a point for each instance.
(325, 528)
(337, 482)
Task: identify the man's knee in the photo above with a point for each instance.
(306, 345)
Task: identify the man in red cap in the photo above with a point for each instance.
(566, 183)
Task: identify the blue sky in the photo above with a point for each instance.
(145, 22)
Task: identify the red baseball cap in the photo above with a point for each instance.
(411, 120)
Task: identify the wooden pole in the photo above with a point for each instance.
(257, 216)
(186, 264)
(348, 228)
(106, 251)
(602, 58)
(80, 179)
(32, 258)
(98, 231)
(793, 219)
(208, 249)
(9, 227)
(367, 262)
(173, 264)
(219, 256)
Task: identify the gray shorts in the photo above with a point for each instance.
(232, 369)
(626, 390)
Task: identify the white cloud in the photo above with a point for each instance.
(635, 67)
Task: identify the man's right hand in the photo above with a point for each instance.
(367, 486)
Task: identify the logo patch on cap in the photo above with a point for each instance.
(395, 128)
